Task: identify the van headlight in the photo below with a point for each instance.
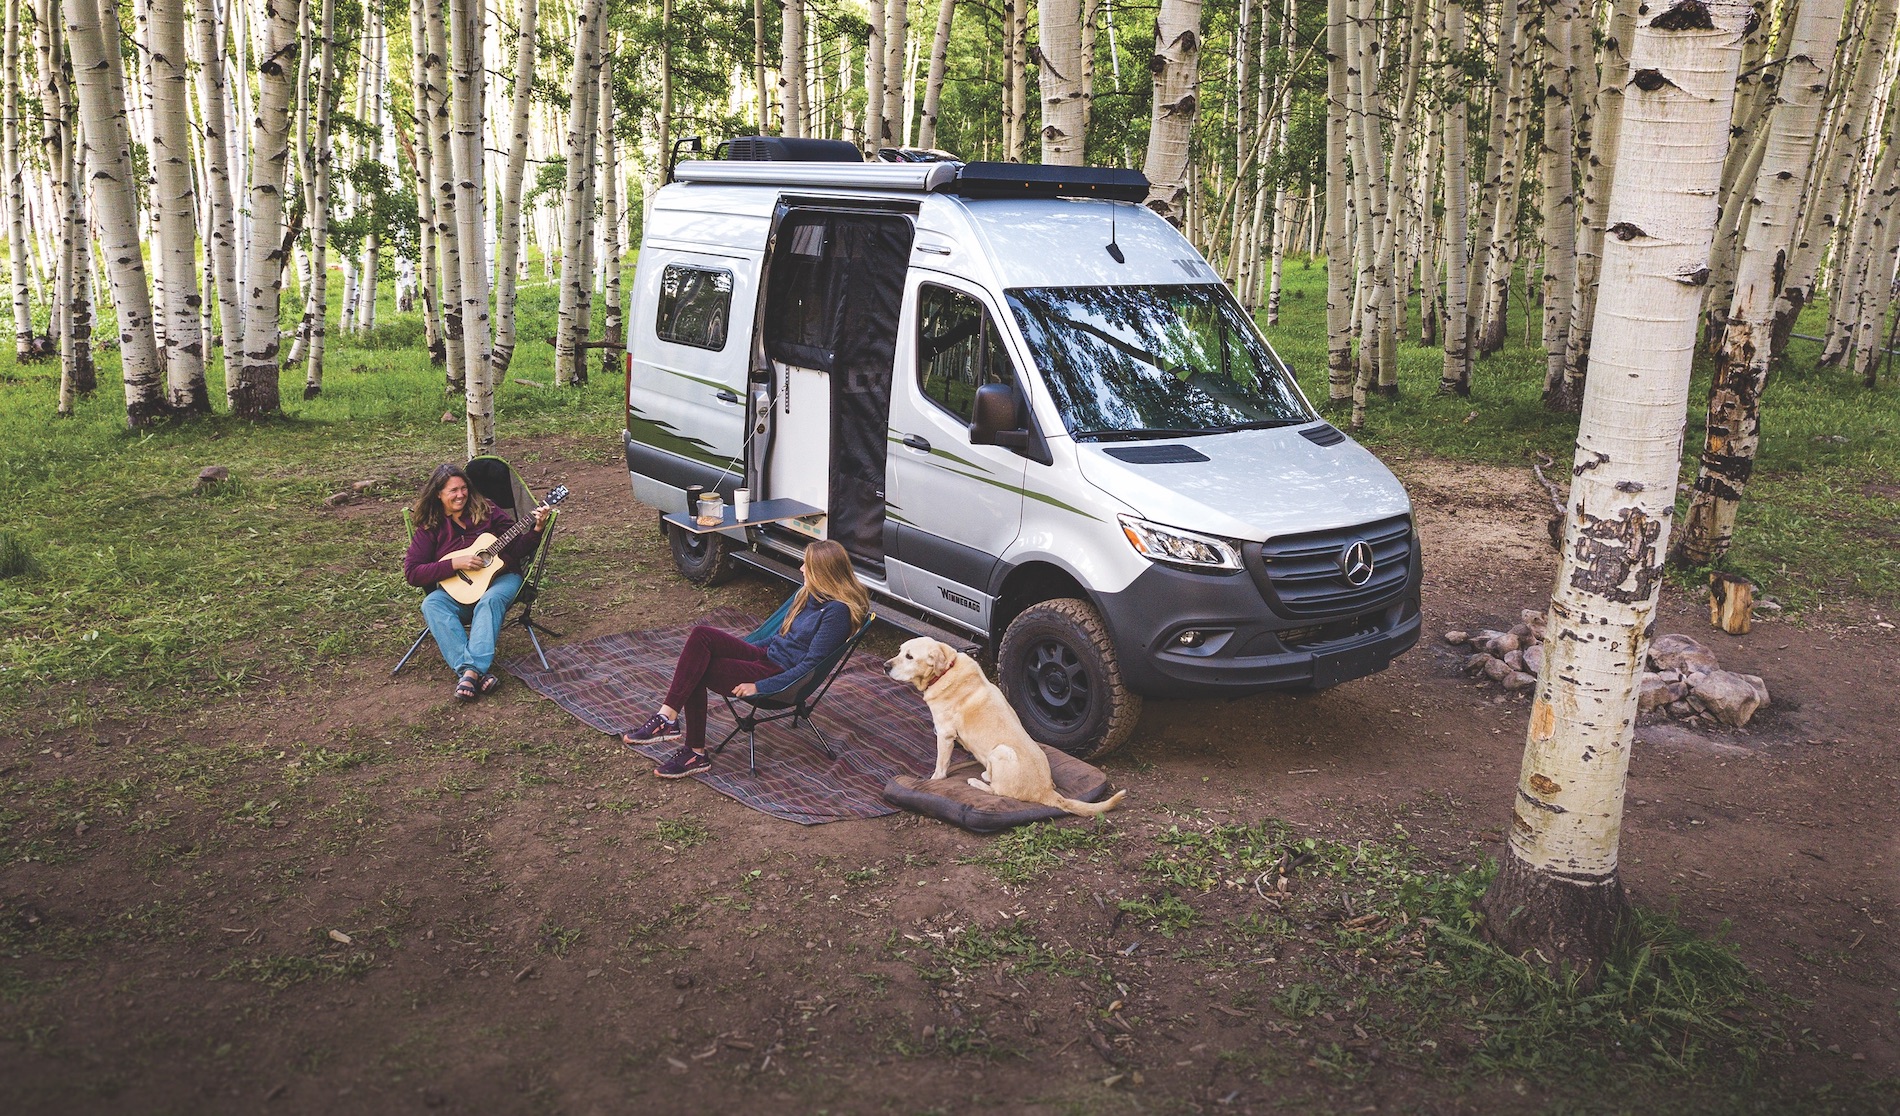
(1185, 548)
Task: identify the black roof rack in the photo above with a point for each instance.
(1035, 180)
(789, 149)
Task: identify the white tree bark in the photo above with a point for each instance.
(172, 203)
(874, 137)
(448, 240)
(316, 312)
(1176, 68)
(578, 225)
(1456, 375)
(1064, 105)
(933, 82)
(91, 30)
(610, 246)
(1742, 358)
(221, 246)
(791, 71)
(376, 66)
(468, 22)
(1339, 265)
(896, 36)
(421, 157)
(508, 247)
(16, 195)
(1559, 891)
(1877, 297)
(252, 390)
(1562, 19)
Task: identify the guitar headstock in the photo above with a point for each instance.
(555, 496)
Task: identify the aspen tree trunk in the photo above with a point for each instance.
(1559, 897)
(874, 77)
(1369, 206)
(1456, 377)
(1502, 219)
(1018, 84)
(1281, 233)
(896, 35)
(1741, 361)
(1339, 265)
(468, 20)
(69, 312)
(1561, 20)
(252, 391)
(421, 156)
(1492, 184)
(171, 209)
(1878, 298)
(1064, 111)
(448, 239)
(378, 66)
(933, 82)
(316, 305)
(791, 71)
(508, 247)
(576, 281)
(1600, 150)
(762, 106)
(1833, 193)
(1176, 68)
(221, 246)
(90, 33)
(666, 83)
(1391, 299)
(1091, 35)
(23, 344)
(610, 216)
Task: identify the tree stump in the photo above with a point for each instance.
(1731, 603)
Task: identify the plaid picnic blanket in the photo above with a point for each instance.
(880, 728)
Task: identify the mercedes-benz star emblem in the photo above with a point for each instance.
(1355, 562)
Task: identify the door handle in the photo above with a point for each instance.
(726, 396)
(917, 443)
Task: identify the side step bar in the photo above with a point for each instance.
(887, 610)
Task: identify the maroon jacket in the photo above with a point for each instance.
(424, 564)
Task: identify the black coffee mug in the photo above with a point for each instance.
(692, 498)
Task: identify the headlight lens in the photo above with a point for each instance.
(1184, 548)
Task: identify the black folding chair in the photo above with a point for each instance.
(795, 704)
(498, 482)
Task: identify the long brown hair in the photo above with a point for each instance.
(427, 510)
(829, 577)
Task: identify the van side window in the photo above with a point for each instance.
(693, 306)
(958, 350)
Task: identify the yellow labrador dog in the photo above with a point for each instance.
(968, 709)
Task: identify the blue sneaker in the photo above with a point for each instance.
(655, 729)
(683, 763)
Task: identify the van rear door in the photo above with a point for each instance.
(686, 379)
(957, 506)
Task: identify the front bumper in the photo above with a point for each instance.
(1245, 646)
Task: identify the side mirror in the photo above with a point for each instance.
(997, 419)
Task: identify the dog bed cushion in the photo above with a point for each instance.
(954, 800)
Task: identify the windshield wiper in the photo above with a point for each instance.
(1263, 424)
(1139, 433)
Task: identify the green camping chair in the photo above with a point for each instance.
(498, 482)
(795, 704)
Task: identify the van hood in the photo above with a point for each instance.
(1254, 485)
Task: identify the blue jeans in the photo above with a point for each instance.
(473, 648)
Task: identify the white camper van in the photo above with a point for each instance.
(1031, 412)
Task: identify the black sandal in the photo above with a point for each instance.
(466, 686)
(490, 683)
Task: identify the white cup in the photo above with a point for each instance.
(741, 503)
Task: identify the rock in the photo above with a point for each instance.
(1761, 687)
(1670, 675)
(1681, 709)
(362, 485)
(212, 474)
(1522, 632)
(1652, 692)
(1534, 658)
(1531, 615)
(1503, 644)
(338, 499)
(448, 416)
(1728, 697)
(1679, 652)
(1767, 607)
(1692, 677)
(1456, 637)
(1495, 669)
(1514, 660)
(1518, 680)
(1475, 664)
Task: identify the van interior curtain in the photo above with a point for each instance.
(837, 288)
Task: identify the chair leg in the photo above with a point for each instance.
(721, 746)
(407, 655)
(542, 655)
(824, 742)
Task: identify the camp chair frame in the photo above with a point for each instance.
(795, 704)
(484, 474)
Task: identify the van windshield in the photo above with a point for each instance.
(1126, 363)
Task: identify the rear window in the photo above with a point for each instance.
(694, 306)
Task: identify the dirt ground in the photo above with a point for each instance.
(532, 928)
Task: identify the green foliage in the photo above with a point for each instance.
(681, 833)
(1031, 851)
(16, 557)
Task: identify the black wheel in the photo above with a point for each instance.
(701, 559)
(1059, 671)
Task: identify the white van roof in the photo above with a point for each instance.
(1005, 241)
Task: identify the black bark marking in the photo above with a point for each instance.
(1610, 552)
(1601, 459)
(1690, 15)
(1650, 80)
(1625, 231)
(1548, 807)
(1697, 278)
(1629, 486)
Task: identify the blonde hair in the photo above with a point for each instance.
(829, 577)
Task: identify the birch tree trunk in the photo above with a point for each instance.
(1176, 67)
(70, 312)
(763, 107)
(508, 246)
(171, 209)
(1558, 896)
(1492, 184)
(1561, 20)
(896, 36)
(874, 78)
(1456, 376)
(1502, 220)
(791, 70)
(1339, 265)
(576, 280)
(316, 305)
(421, 157)
(23, 341)
(1742, 359)
(469, 23)
(221, 246)
(1018, 83)
(610, 215)
(1877, 300)
(933, 82)
(1599, 148)
(448, 239)
(90, 28)
(1064, 111)
(377, 65)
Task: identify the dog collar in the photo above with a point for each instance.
(938, 677)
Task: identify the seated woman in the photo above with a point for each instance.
(449, 516)
(827, 608)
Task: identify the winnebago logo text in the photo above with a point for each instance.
(958, 598)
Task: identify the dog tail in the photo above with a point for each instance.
(1089, 809)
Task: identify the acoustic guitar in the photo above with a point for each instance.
(467, 586)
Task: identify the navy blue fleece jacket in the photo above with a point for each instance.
(817, 631)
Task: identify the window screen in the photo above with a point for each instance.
(694, 305)
(958, 350)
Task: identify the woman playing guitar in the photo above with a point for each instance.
(450, 516)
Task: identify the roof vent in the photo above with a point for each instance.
(1325, 434)
(789, 149)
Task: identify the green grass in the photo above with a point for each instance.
(1029, 852)
(1818, 520)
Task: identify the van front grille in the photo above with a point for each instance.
(1302, 575)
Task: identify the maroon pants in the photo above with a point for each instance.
(712, 660)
